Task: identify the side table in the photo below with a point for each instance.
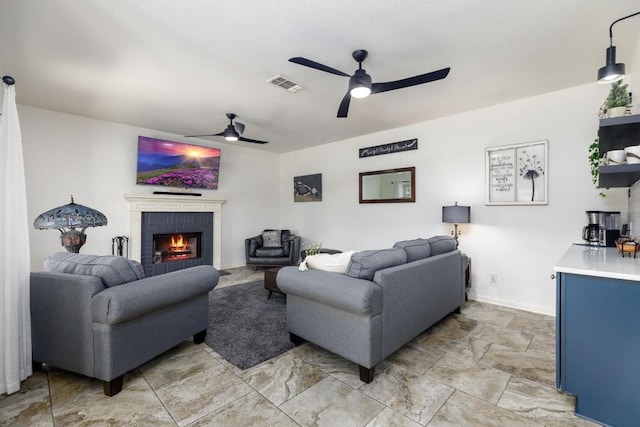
(270, 283)
(467, 280)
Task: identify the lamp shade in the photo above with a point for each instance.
(66, 219)
(456, 214)
(611, 72)
(70, 216)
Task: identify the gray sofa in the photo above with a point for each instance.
(97, 316)
(386, 298)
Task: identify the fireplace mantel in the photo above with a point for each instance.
(139, 203)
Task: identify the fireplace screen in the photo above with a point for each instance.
(176, 247)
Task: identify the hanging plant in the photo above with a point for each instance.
(594, 163)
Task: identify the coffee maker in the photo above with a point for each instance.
(603, 228)
(591, 233)
(609, 228)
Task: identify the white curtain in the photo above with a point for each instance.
(15, 317)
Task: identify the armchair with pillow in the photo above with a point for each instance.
(272, 248)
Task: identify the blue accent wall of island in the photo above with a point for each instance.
(598, 333)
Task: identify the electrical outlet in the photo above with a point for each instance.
(493, 278)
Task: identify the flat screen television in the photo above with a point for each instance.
(176, 164)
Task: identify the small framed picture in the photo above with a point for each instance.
(307, 188)
(517, 174)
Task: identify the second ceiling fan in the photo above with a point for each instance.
(232, 133)
(360, 83)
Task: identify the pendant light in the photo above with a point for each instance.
(612, 71)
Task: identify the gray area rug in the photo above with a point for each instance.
(245, 327)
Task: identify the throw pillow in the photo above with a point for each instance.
(441, 244)
(364, 264)
(334, 263)
(138, 268)
(271, 239)
(113, 270)
(416, 249)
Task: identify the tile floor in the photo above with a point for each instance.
(489, 366)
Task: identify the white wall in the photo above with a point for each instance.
(519, 243)
(96, 162)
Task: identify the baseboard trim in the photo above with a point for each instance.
(512, 304)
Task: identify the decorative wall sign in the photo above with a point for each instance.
(517, 174)
(307, 188)
(394, 147)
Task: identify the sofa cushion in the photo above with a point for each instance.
(364, 264)
(113, 270)
(416, 249)
(441, 244)
(270, 252)
(271, 238)
(334, 263)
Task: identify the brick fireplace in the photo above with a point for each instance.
(198, 220)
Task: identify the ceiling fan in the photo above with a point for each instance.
(360, 84)
(232, 132)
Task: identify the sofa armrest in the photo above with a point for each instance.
(294, 249)
(346, 293)
(125, 302)
(418, 294)
(250, 246)
(61, 319)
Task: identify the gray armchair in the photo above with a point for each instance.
(93, 315)
(272, 248)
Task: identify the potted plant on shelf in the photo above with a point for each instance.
(617, 100)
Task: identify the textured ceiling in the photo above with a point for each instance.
(180, 65)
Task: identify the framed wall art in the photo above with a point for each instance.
(307, 188)
(517, 174)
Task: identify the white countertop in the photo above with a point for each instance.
(599, 262)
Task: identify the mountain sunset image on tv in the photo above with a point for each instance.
(177, 164)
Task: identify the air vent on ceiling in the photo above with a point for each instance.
(285, 83)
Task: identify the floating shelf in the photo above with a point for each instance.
(619, 175)
(616, 134)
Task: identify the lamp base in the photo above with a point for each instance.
(73, 240)
(455, 233)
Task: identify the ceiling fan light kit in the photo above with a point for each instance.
(360, 83)
(232, 133)
(612, 71)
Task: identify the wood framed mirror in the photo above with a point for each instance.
(388, 186)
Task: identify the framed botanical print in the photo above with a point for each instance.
(517, 174)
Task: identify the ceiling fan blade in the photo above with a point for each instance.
(410, 81)
(211, 134)
(343, 110)
(255, 141)
(239, 127)
(312, 64)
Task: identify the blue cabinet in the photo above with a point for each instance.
(598, 346)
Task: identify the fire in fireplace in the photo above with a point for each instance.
(176, 247)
